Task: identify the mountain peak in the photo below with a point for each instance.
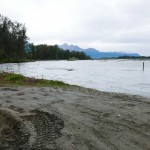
(95, 54)
(71, 47)
(65, 44)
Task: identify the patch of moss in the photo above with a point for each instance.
(14, 77)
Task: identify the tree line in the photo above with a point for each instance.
(14, 45)
(49, 52)
(134, 57)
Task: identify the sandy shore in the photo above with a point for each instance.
(76, 119)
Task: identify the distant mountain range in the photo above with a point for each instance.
(96, 54)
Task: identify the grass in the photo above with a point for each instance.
(14, 77)
(17, 79)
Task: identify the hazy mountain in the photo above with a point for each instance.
(95, 54)
(71, 47)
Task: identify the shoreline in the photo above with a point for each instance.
(31, 81)
(82, 118)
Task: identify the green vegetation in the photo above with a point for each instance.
(42, 82)
(133, 57)
(72, 59)
(11, 60)
(14, 46)
(12, 38)
(14, 77)
(17, 79)
(48, 52)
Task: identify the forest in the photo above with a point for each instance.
(15, 46)
(49, 52)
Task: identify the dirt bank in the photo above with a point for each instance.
(74, 119)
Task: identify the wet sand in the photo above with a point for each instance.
(76, 118)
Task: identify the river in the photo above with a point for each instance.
(123, 76)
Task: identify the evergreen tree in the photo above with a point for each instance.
(12, 39)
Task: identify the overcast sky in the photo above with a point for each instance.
(107, 25)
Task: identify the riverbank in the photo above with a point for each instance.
(7, 79)
(72, 118)
(4, 61)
